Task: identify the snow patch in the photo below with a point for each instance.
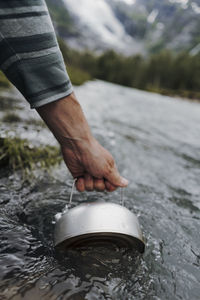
(128, 2)
(152, 16)
(98, 18)
(195, 8)
(184, 3)
(195, 50)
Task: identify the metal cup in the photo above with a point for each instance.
(97, 222)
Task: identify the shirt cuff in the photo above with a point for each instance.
(41, 80)
(53, 98)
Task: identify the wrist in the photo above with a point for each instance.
(79, 145)
(67, 122)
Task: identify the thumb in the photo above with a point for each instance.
(114, 178)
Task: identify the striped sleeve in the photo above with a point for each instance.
(29, 53)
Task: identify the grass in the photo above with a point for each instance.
(190, 95)
(14, 118)
(8, 103)
(36, 122)
(11, 118)
(18, 154)
(4, 83)
(77, 75)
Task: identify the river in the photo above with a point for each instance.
(156, 143)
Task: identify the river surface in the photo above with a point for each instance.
(156, 143)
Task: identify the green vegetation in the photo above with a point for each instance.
(61, 17)
(18, 154)
(77, 75)
(79, 65)
(164, 72)
(35, 122)
(4, 83)
(11, 118)
(8, 103)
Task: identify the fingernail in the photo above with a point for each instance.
(124, 181)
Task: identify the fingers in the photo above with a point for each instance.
(114, 178)
(99, 185)
(80, 185)
(89, 183)
(109, 186)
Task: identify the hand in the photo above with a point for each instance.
(93, 166)
(86, 159)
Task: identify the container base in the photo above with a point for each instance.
(92, 239)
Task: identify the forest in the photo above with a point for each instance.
(165, 72)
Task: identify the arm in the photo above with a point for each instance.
(29, 53)
(32, 61)
(84, 156)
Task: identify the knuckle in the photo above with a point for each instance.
(110, 161)
(80, 189)
(108, 169)
(89, 187)
(99, 185)
(80, 185)
(88, 183)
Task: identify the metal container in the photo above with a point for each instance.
(97, 222)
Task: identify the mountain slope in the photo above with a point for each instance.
(128, 26)
(99, 27)
(173, 24)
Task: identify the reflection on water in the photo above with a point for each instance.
(156, 143)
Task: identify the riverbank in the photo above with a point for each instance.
(26, 144)
(184, 94)
(19, 154)
(155, 142)
(165, 73)
(131, 72)
(17, 119)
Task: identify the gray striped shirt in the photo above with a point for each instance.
(29, 53)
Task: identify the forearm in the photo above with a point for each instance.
(32, 61)
(67, 122)
(86, 159)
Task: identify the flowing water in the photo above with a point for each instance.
(156, 143)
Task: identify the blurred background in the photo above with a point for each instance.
(135, 66)
(147, 44)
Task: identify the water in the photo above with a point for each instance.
(156, 143)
